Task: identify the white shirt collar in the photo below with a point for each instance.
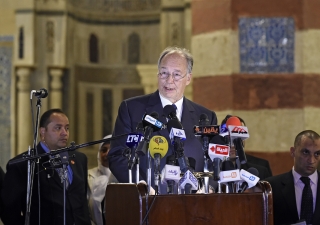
(179, 105)
(313, 177)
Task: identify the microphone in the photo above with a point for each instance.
(133, 139)
(59, 159)
(177, 135)
(237, 134)
(158, 148)
(132, 142)
(204, 128)
(135, 160)
(176, 131)
(229, 175)
(205, 131)
(189, 182)
(149, 127)
(140, 128)
(234, 121)
(218, 151)
(170, 174)
(250, 178)
(170, 112)
(151, 121)
(42, 93)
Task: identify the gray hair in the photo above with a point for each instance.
(182, 51)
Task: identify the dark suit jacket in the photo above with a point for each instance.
(1, 185)
(130, 114)
(51, 193)
(261, 165)
(261, 162)
(284, 200)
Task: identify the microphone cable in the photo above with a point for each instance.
(147, 213)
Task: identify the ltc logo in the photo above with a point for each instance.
(220, 149)
(239, 130)
(159, 140)
(133, 138)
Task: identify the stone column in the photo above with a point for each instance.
(24, 127)
(148, 76)
(55, 88)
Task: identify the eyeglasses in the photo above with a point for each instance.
(175, 76)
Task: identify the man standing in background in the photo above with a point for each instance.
(296, 193)
(48, 200)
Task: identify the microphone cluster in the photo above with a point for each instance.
(221, 140)
(177, 174)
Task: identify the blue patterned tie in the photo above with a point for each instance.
(175, 112)
(306, 201)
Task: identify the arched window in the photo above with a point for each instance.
(21, 43)
(134, 49)
(93, 49)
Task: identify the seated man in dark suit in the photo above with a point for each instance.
(175, 71)
(296, 194)
(262, 165)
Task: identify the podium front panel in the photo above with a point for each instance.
(126, 204)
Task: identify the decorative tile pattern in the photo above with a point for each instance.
(266, 45)
(5, 98)
(116, 5)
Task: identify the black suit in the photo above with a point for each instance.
(284, 200)
(51, 193)
(1, 185)
(260, 164)
(130, 114)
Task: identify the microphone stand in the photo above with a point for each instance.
(64, 177)
(205, 147)
(32, 158)
(31, 164)
(73, 147)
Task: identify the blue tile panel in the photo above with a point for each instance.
(5, 99)
(266, 45)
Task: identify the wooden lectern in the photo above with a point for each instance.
(125, 204)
